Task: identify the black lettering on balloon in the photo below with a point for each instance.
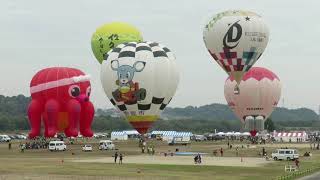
(116, 37)
(113, 37)
(229, 36)
(111, 45)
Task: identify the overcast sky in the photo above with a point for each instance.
(35, 34)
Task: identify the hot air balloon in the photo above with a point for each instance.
(110, 35)
(236, 40)
(260, 93)
(140, 79)
(60, 97)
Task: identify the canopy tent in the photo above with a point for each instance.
(119, 135)
(169, 135)
(220, 134)
(237, 134)
(295, 136)
(246, 134)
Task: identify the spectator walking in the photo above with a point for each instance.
(221, 152)
(120, 158)
(263, 152)
(196, 159)
(215, 152)
(237, 151)
(115, 157)
(297, 162)
(199, 158)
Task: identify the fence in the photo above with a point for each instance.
(296, 174)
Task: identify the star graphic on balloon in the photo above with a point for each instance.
(247, 18)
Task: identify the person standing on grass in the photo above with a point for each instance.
(221, 152)
(120, 158)
(115, 157)
(196, 159)
(297, 162)
(9, 145)
(199, 158)
(237, 151)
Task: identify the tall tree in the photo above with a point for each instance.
(268, 125)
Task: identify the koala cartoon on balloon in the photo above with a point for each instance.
(128, 91)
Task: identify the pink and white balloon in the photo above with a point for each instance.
(260, 93)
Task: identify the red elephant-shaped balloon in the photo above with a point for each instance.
(60, 97)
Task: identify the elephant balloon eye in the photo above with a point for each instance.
(74, 91)
(88, 91)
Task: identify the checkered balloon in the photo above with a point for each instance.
(140, 79)
(236, 40)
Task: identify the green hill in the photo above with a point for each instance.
(192, 118)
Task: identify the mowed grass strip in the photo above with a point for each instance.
(43, 162)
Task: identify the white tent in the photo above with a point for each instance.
(229, 133)
(295, 136)
(221, 134)
(119, 135)
(158, 132)
(169, 135)
(237, 134)
(246, 134)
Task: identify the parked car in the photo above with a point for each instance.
(178, 141)
(4, 138)
(285, 154)
(57, 146)
(106, 145)
(200, 138)
(87, 147)
(20, 136)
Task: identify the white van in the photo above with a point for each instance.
(106, 145)
(285, 154)
(4, 138)
(57, 146)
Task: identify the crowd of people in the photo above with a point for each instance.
(39, 143)
(143, 145)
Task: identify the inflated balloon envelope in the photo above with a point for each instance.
(260, 94)
(109, 36)
(60, 97)
(140, 79)
(236, 39)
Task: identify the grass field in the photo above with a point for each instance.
(42, 164)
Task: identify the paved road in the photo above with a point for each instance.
(315, 176)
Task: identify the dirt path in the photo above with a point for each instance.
(183, 160)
